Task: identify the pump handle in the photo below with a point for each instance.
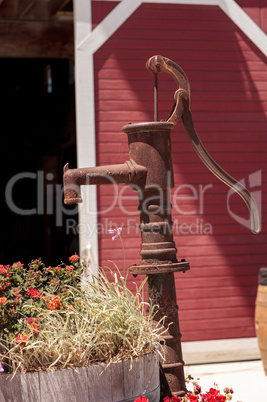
(181, 109)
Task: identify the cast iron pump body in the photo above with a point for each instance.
(149, 171)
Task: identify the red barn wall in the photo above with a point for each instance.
(228, 79)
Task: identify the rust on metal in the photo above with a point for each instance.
(149, 171)
(156, 97)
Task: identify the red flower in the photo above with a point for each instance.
(74, 258)
(34, 327)
(31, 319)
(22, 338)
(166, 399)
(55, 303)
(34, 293)
(18, 295)
(192, 398)
(176, 398)
(213, 391)
(3, 270)
(69, 269)
(142, 398)
(213, 396)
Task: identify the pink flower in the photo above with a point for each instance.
(3, 270)
(18, 264)
(117, 232)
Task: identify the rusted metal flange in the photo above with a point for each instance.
(157, 268)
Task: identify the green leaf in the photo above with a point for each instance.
(19, 278)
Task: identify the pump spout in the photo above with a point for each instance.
(128, 173)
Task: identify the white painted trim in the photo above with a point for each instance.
(109, 25)
(215, 351)
(194, 2)
(106, 28)
(245, 23)
(85, 129)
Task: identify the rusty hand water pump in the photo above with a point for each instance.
(149, 171)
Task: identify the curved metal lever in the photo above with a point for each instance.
(181, 108)
(160, 64)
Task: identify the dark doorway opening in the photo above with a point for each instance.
(37, 111)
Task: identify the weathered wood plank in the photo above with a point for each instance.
(33, 39)
(151, 372)
(80, 379)
(57, 386)
(10, 390)
(99, 379)
(30, 387)
(117, 391)
(134, 378)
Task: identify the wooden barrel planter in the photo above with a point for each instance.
(101, 382)
(261, 316)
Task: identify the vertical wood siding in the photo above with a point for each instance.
(228, 78)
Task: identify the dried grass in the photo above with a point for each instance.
(107, 323)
